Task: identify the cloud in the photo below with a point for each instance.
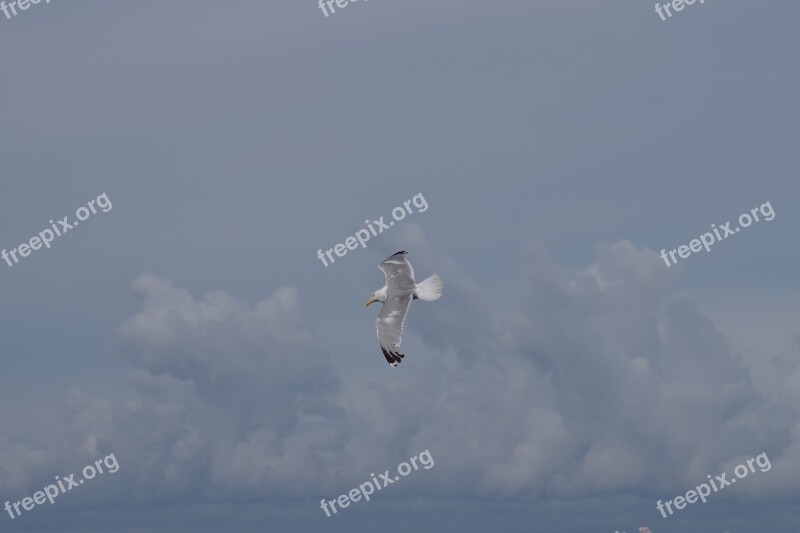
(227, 400)
(598, 380)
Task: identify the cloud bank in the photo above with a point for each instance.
(597, 380)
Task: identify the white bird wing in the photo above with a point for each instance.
(390, 324)
(400, 286)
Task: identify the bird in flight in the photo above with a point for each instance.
(396, 295)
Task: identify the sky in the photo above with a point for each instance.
(186, 335)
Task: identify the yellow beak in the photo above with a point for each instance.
(371, 300)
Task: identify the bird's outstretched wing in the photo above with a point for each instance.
(399, 272)
(399, 293)
(390, 327)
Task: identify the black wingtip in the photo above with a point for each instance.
(393, 358)
(401, 252)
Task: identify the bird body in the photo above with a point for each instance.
(396, 295)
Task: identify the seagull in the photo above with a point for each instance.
(396, 295)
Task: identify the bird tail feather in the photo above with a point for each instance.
(429, 289)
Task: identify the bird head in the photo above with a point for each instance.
(377, 296)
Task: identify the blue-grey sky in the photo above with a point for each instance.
(567, 380)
